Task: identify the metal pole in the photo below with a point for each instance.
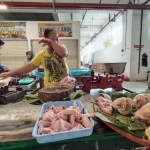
(141, 25)
(83, 18)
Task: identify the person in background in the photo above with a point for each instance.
(144, 60)
(53, 73)
(30, 56)
(3, 68)
(1, 43)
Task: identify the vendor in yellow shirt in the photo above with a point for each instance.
(53, 74)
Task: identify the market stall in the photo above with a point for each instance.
(18, 119)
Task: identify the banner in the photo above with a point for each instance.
(63, 29)
(12, 30)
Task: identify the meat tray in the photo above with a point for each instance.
(61, 135)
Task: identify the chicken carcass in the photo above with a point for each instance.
(106, 96)
(79, 126)
(143, 113)
(123, 105)
(147, 97)
(49, 115)
(140, 100)
(85, 121)
(68, 82)
(45, 130)
(105, 105)
(147, 133)
(63, 118)
(43, 123)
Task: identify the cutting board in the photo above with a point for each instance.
(53, 94)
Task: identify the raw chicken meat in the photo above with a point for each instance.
(147, 97)
(79, 126)
(106, 107)
(123, 105)
(49, 115)
(106, 96)
(63, 118)
(147, 132)
(105, 104)
(143, 113)
(68, 82)
(140, 100)
(43, 123)
(86, 122)
(45, 130)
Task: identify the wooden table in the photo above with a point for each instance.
(17, 121)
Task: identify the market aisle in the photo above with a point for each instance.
(136, 86)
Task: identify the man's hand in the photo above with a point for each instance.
(45, 41)
(5, 75)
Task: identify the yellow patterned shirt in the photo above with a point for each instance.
(53, 75)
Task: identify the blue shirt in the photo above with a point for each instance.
(1, 67)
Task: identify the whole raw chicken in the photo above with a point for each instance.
(143, 113)
(106, 96)
(123, 105)
(147, 97)
(105, 103)
(147, 132)
(140, 100)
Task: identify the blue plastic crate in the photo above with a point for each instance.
(52, 137)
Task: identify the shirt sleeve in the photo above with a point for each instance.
(63, 46)
(37, 59)
(1, 67)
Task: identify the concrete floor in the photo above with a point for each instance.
(137, 87)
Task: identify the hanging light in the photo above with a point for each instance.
(2, 6)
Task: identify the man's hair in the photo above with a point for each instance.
(1, 43)
(48, 31)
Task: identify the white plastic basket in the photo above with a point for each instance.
(52, 137)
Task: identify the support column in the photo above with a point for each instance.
(140, 75)
(127, 19)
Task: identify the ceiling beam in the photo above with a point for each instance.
(147, 1)
(2, 18)
(56, 16)
(71, 16)
(76, 6)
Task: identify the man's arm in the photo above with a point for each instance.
(60, 50)
(22, 70)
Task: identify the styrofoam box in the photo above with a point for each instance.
(58, 136)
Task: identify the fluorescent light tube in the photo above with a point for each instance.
(3, 7)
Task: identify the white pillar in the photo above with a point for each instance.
(135, 40)
(127, 19)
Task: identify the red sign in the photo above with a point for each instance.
(138, 46)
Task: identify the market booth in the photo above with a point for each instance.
(16, 130)
(103, 115)
(19, 118)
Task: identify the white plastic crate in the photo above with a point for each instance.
(52, 137)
